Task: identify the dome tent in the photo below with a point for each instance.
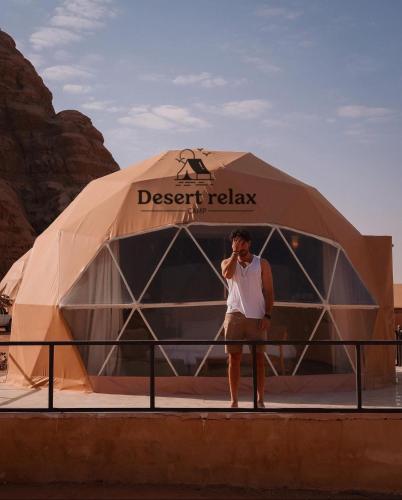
(137, 254)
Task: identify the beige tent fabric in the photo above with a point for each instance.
(108, 208)
(11, 282)
(397, 295)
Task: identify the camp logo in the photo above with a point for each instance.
(192, 170)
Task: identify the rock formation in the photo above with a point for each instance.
(46, 158)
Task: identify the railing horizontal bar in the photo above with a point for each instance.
(198, 342)
(287, 409)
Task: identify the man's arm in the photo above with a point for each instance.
(228, 266)
(267, 285)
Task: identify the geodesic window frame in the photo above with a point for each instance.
(324, 306)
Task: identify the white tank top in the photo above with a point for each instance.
(245, 290)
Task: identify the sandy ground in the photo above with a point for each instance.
(16, 397)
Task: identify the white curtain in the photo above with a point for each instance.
(101, 283)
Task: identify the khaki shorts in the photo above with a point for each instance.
(238, 327)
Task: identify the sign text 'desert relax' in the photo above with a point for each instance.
(230, 197)
(193, 172)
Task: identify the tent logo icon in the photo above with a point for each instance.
(192, 169)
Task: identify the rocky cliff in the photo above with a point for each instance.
(46, 158)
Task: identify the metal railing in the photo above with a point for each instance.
(358, 344)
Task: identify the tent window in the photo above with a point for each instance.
(316, 256)
(139, 255)
(129, 360)
(186, 323)
(347, 287)
(290, 283)
(95, 324)
(290, 323)
(185, 276)
(320, 359)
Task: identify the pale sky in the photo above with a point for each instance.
(312, 87)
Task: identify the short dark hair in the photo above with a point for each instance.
(240, 233)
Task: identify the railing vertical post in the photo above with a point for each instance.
(358, 377)
(152, 377)
(51, 376)
(254, 355)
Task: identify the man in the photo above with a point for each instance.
(249, 306)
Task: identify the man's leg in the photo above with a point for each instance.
(234, 377)
(254, 332)
(233, 331)
(260, 376)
